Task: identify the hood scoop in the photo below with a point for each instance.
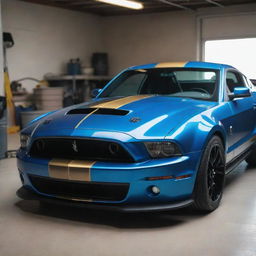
(99, 111)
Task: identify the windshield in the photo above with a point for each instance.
(182, 82)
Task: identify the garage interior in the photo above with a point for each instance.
(61, 51)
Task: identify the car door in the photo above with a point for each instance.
(242, 121)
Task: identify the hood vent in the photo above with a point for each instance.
(100, 111)
(110, 111)
(80, 111)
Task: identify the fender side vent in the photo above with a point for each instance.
(100, 111)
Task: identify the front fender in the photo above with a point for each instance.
(195, 134)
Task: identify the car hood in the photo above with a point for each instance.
(141, 117)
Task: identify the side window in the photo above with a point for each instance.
(234, 79)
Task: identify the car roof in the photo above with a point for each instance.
(184, 64)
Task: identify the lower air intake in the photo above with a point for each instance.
(80, 190)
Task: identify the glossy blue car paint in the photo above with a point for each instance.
(190, 123)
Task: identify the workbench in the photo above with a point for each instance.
(88, 81)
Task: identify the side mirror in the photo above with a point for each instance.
(240, 92)
(95, 92)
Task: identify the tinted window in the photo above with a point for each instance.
(130, 85)
(182, 82)
(196, 75)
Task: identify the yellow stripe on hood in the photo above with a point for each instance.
(114, 104)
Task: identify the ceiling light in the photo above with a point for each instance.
(124, 3)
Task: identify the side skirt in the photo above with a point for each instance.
(237, 160)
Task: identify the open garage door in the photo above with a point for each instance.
(240, 53)
(230, 39)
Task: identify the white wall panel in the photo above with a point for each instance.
(230, 26)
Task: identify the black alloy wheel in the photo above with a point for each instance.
(210, 177)
(215, 173)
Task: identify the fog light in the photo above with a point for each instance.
(155, 190)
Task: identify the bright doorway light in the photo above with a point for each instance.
(124, 3)
(240, 53)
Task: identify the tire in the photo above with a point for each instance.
(210, 177)
(251, 159)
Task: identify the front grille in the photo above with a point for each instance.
(79, 149)
(80, 190)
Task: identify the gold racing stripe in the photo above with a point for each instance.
(114, 104)
(58, 168)
(80, 170)
(74, 170)
(71, 170)
(85, 118)
(171, 64)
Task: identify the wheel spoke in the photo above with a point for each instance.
(217, 157)
(212, 159)
(215, 173)
(219, 171)
(214, 156)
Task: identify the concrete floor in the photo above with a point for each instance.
(26, 229)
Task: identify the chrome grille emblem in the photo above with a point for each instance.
(74, 146)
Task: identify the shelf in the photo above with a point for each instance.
(77, 77)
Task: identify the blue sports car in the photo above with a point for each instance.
(157, 137)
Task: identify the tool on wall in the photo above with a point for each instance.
(8, 43)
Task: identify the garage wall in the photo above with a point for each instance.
(139, 39)
(53, 36)
(46, 38)
(172, 36)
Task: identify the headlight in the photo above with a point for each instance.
(24, 140)
(162, 149)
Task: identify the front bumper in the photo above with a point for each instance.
(174, 193)
(27, 194)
